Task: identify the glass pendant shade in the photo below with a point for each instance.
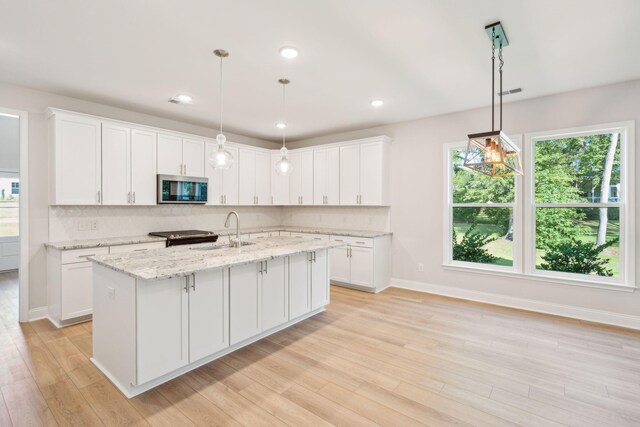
(284, 165)
(221, 159)
(493, 153)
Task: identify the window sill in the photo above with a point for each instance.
(539, 277)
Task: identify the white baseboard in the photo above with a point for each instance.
(38, 313)
(599, 316)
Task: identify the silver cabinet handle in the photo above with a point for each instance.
(186, 285)
(266, 267)
(224, 199)
(193, 285)
(129, 197)
(99, 197)
(185, 168)
(260, 268)
(313, 258)
(221, 199)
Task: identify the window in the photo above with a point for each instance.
(15, 188)
(579, 211)
(573, 222)
(483, 216)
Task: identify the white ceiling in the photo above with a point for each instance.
(423, 57)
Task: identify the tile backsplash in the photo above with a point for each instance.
(75, 222)
(94, 222)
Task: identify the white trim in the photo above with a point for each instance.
(599, 316)
(23, 214)
(38, 313)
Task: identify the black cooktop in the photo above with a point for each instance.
(186, 237)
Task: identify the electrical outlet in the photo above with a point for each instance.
(421, 267)
(84, 225)
(94, 224)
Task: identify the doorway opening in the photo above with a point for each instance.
(13, 253)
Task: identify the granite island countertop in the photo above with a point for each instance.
(117, 241)
(178, 261)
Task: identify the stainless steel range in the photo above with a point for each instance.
(186, 237)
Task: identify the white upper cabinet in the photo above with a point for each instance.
(364, 176)
(180, 156)
(128, 166)
(193, 157)
(279, 183)
(326, 176)
(143, 167)
(116, 164)
(254, 177)
(223, 184)
(75, 160)
(169, 155)
(301, 178)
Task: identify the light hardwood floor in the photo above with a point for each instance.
(398, 358)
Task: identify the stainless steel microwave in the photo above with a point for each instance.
(182, 189)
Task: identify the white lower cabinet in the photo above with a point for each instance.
(319, 279)
(340, 264)
(245, 317)
(208, 313)
(162, 327)
(76, 297)
(275, 298)
(299, 285)
(363, 263)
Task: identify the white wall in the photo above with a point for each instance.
(35, 102)
(9, 144)
(417, 185)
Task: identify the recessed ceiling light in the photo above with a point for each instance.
(377, 103)
(181, 99)
(281, 125)
(289, 52)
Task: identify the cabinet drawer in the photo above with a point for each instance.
(80, 255)
(310, 236)
(364, 242)
(138, 247)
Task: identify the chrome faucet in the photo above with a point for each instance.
(237, 243)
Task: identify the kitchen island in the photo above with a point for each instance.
(164, 312)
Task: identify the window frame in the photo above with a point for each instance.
(524, 251)
(626, 204)
(516, 207)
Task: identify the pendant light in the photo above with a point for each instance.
(221, 158)
(493, 153)
(284, 165)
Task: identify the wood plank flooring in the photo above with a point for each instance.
(398, 358)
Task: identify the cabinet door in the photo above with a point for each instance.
(247, 177)
(306, 177)
(143, 167)
(163, 327)
(193, 157)
(333, 176)
(299, 285)
(245, 302)
(116, 164)
(275, 298)
(215, 176)
(230, 180)
(169, 154)
(362, 266)
(78, 160)
(263, 178)
(320, 176)
(279, 183)
(208, 313)
(371, 164)
(340, 264)
(295, 178)
(77, 290)
(349, 174)
(320, 279)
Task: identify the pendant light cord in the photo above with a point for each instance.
(500, 68)
(221, 104)
(493, 79)
(284, 111)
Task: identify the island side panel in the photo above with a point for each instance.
(114, 325)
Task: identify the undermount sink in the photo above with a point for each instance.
(213, 248)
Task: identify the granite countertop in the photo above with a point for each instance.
(106, 241)
(184, 260)
(116, 241)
